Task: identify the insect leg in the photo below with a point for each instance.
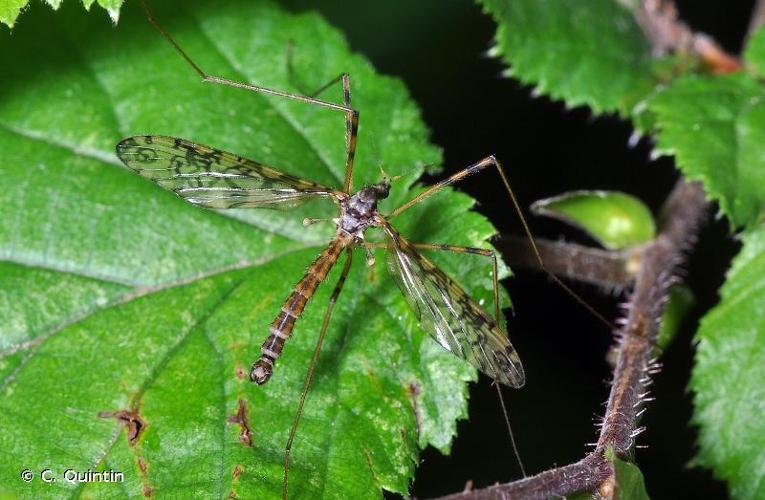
(233, 83)
(472, 169)
(351, 115)
(460, 249)
(309, 376)
(509, 428)
(351, 126)
(490, 161)
(351, 118)
(294, 81)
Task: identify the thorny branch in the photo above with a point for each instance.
(681, 216)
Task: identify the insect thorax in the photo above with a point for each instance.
(360, 210)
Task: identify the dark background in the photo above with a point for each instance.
(438, 48)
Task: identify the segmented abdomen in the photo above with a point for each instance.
(281, 327)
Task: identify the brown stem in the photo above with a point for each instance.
(605, 268)
(662, 27)
(583, 475)
(757, 19)
(681, 216)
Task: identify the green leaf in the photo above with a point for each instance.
(754, 55)
(10, 9)
(728, 376)
(586, 53)
(117, 296)
(630, 484)
(617, 220)
(715, 127)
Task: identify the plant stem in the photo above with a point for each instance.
(757, 19)
(681, 215)
(605, 268)
(665, 31)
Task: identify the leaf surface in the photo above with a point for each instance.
(755, 52)
(119, 297)
(630, 484)
(715, 128)
(728, 376)
(585, 53)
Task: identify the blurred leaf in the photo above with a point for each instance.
(729, 376)
(118, 296)
(715, 128)
(10, 9)
(681, 300)
(754, 55)
(586, 53)
(617, 220)
(630, 484)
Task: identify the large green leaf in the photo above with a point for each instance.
(586, 53)
(119, 297)
(715, 127)
(729, 376)
(10, 9)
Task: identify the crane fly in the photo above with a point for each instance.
(212, 178)
(215, 179)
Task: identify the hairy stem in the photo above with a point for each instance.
(681, 216)
(605, 268)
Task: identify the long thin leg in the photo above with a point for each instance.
(338, 79)
(475, 168)
(351, 115)
(495, 281)
(293, 79)
(351, 118)
(351, 126)
(351, 132)
(509, 428)
(472, 169)
(461, 249)
(476, 251)
(312, 367)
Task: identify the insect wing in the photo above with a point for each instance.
(450, 316)
(212, 178)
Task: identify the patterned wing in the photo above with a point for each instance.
(450, 316)
(212, 178)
